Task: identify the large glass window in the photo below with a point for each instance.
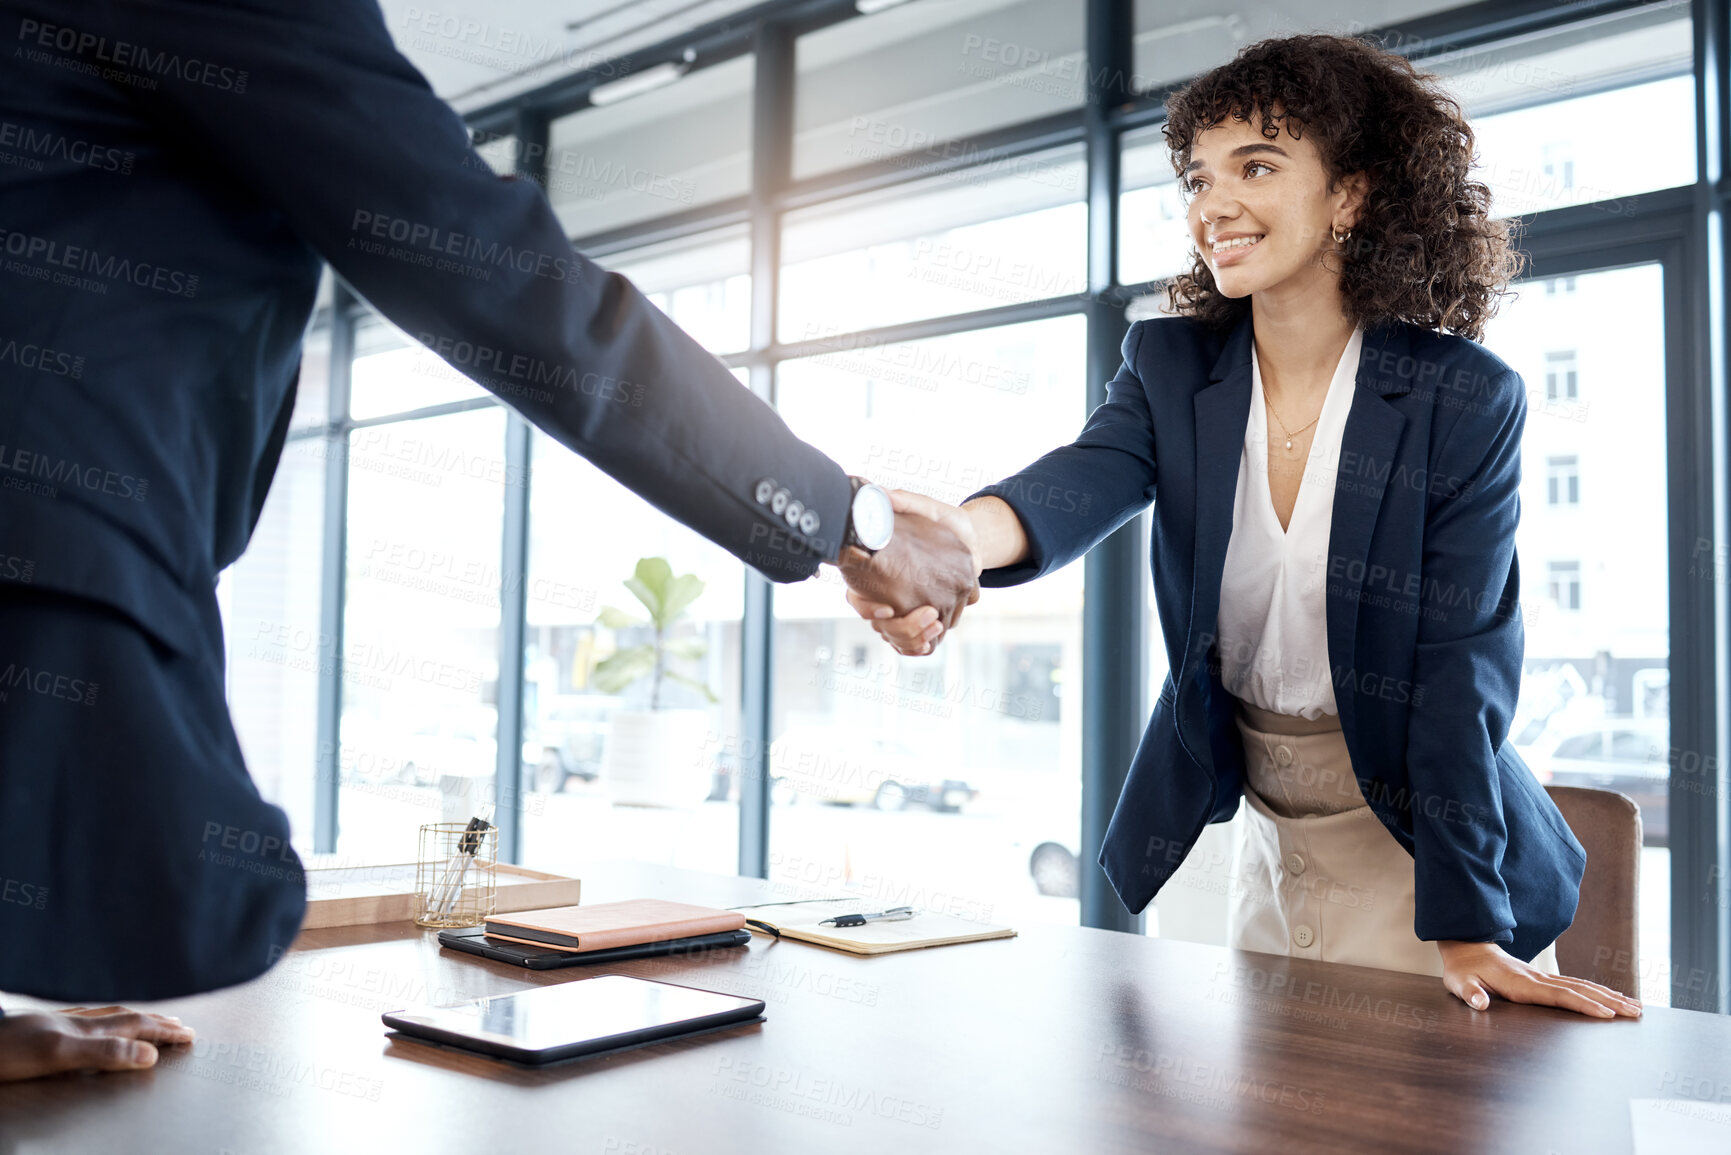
(908, 84)
(270, 606)
(270, 600)
(638, 770)
(395, 374)
(655, 153)
(1594, 708)
(1597, 112)
(1179, 39)
(941, 778)
(1154, 230)
(1605, 147)
(420, 627)
(990, 236)
(703, 283)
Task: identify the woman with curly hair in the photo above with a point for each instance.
(1334, 466)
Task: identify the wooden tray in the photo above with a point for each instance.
(342, 894)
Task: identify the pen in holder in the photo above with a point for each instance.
(457, 873)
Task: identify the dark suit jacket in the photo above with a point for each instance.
(172, 178)
(1424, 629)
(183, 171)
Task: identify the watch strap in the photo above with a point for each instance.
(848, 536)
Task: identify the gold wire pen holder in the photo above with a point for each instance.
(457, 873)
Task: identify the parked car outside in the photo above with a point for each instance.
(417, 750)
(831, 765)
(458, 744)
(1628, 755)
(568, 739)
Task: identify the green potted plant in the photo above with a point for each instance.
(653, 756)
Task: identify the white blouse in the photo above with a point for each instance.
(1273, 608)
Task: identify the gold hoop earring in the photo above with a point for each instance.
(1339, 239)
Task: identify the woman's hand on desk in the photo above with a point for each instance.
(84, 1039)
(1476, 970)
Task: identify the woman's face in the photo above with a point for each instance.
(1261, 211)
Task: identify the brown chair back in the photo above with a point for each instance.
(1601, 945)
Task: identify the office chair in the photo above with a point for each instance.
(1602, 944)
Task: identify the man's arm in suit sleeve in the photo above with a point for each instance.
(1468, 669)
(1075, 496)
(342, 134)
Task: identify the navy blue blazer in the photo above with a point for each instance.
(1424, 628)
(173, 177)
(179, 174)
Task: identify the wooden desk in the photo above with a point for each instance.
(1062, 1040)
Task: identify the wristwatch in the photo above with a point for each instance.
(871, 519)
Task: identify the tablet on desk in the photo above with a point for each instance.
(584, 1017)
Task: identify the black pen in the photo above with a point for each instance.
(468, 846)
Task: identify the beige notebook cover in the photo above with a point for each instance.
(611, 924)
(799, 920)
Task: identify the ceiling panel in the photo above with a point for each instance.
(475, 52)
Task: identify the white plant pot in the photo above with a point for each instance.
(657, 758)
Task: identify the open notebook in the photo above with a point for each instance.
(799, 920)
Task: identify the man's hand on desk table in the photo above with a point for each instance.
(84, 1039)
(1475, 970)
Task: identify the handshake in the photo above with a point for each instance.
(915, 588)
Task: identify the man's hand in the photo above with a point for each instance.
(84, 1039)
(1470, 969)
(916, 587)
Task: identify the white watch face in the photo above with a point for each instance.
(874, 518)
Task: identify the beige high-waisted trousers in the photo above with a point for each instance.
(1318, 876)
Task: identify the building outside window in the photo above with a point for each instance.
(1561, 376)
(1565, 584)
(1563, 480)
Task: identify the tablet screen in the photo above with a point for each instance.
(587, 1011)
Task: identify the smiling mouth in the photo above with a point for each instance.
(1234, 244)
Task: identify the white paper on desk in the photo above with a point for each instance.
(1680, 1127)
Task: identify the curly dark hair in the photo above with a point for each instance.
(1425, 249)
